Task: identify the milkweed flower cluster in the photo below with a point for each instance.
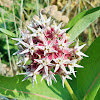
(46, 45)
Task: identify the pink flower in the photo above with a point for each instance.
(47, 46)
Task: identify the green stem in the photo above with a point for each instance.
(70, 90)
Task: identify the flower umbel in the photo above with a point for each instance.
(47, 46)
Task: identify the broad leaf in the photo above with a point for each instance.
(13, 87)
(7, 32)
(87, 83)
(82, 21)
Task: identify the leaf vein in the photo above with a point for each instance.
(91, 86)
(30, 93)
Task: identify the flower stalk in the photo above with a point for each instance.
(70, 90)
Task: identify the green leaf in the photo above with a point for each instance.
(7, 32)
(82, 21)
(87, 83)
(79, 16)
(98, 95)
(75, 19)
(13, 87)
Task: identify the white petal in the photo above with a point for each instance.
(63, 80)
(52, 50)
(25, 51)
(32, 29)
(20, 47)
(77, 44)
(59, 26)
(31, 51)
(78, 66)
(45, 52)
(17, 52)
(30, 40)
(46, 69)
(48, 21)
(17, 39)
(64, 30)
(25, 78)
(25, 66)
(42, 18)
(32, 82)
(81, 54)
(52, 76)
(29, 74)
(20, 61)
(71, 68)
(74, 73)
(23, 43)
(39, 61)
(63, 68)
(45, 42)
(34, 35)
(48, 81)
(67, 61)
(44, 76)
(18, 43)
(37, 21)
(56, 68)
(68, 77)
(22, 34)
(80, 47)
(34, 77)
(41, 47)
(25, 60)
(39, 67)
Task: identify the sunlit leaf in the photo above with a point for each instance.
(82, 21)
(7, 32)
(13, 87)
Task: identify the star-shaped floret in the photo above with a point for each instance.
(47, 47)
(44, 63)
(49, 78)
(24, 59)
(63, 45)
(72, 65)
(28, 75)
(58, 30)
(64, 77)
(77, 49)
(60, 61)
(42, 21)
(32, 29)
(37, 33)
(19, 51)
(23, 36)
(29, 47)
(33, 24)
